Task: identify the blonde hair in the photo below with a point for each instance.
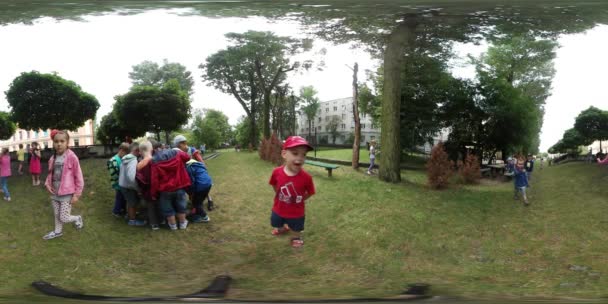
(145, 147)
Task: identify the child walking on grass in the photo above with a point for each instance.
(521, 181)
(292, 186)
(5, 172)
(65, 183)
(35, 168)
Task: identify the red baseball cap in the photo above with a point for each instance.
(296, 141)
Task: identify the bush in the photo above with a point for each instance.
(469, 169)
(439, 168)
(275, 150)
(262, 149)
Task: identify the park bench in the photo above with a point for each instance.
(327, 166)
(485, 171)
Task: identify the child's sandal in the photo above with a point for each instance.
(280, 231)
(297, 242)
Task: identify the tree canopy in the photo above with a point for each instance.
(7, 126)
(149, 73)
(47, 101)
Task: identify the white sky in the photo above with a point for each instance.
(98, 55)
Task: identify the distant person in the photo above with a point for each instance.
(541, 162)
(27, 154)
(5, 172)
(20, 158)
(521, 181)
(529, 166)
(113, 166)
(372, 156)
(35, 168)
(292, 186)
(65, 183)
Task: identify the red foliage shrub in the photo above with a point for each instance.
(470, 170)
(275, 150)
(439, 168)
(262, 149)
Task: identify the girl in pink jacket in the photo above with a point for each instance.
(5, 172)
(65, 183)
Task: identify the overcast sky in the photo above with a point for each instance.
(98, 55)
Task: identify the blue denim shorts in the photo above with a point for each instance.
(295, 224)
(173, 202)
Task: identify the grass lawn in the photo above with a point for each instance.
(363, 238)
(346, 154)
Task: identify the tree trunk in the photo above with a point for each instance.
(167, 137)
(309, 129)
(357, 142)
(390, 161)
(253, 135)
(158, 136)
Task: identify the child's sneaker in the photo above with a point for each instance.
(279, 231)
(183, 225)
(79, 223)
(7, 198)
(137, 223)
(200, 219)
(154, 227)
(173, 226)
(51, 235)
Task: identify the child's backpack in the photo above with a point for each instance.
(201, 181)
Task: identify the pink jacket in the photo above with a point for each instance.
(71, 177)
(5, 165)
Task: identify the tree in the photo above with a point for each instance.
(153, 109)
(357, 119)
(592, 124)
(7, 127)
(242, 131)
(149, 73)
(332, 125)
(252, 68)
(45, 101)
(211, 127)
(308, 96)
(110, 131)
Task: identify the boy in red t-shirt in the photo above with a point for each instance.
(292, 186)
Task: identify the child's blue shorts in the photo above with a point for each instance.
(295, 224)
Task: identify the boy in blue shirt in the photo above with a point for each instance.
(521, 181)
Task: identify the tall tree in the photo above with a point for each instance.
(592, 124)
(7, 126)
(397, 41)
(357, 119)
(310, 108)
(149, 73)
(332, 126)
(153, 109)
(45, 101)
(212, 128)
(110, 131)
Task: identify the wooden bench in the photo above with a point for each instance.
(327, 166)
(485, 171)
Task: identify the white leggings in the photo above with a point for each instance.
(62, 215)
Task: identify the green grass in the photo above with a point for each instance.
(413, 160)
(363, 238)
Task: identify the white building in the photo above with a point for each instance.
(82, 137)
(595, 147)
(342, 109)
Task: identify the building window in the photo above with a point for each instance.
(343, 116)
(45, 133)
(343, 126)
(20, 135)
(36, 134)
(362, 126)
(28, 134)
(320, 119)
(362, 138)
(76, 142)
(335, 109)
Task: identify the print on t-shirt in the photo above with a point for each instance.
(288, 193)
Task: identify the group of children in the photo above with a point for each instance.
(521, 169)
(5, 166)
(162, 179)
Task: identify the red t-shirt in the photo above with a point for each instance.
(289, 199)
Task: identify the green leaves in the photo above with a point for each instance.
(45, 101)
(7, 126)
